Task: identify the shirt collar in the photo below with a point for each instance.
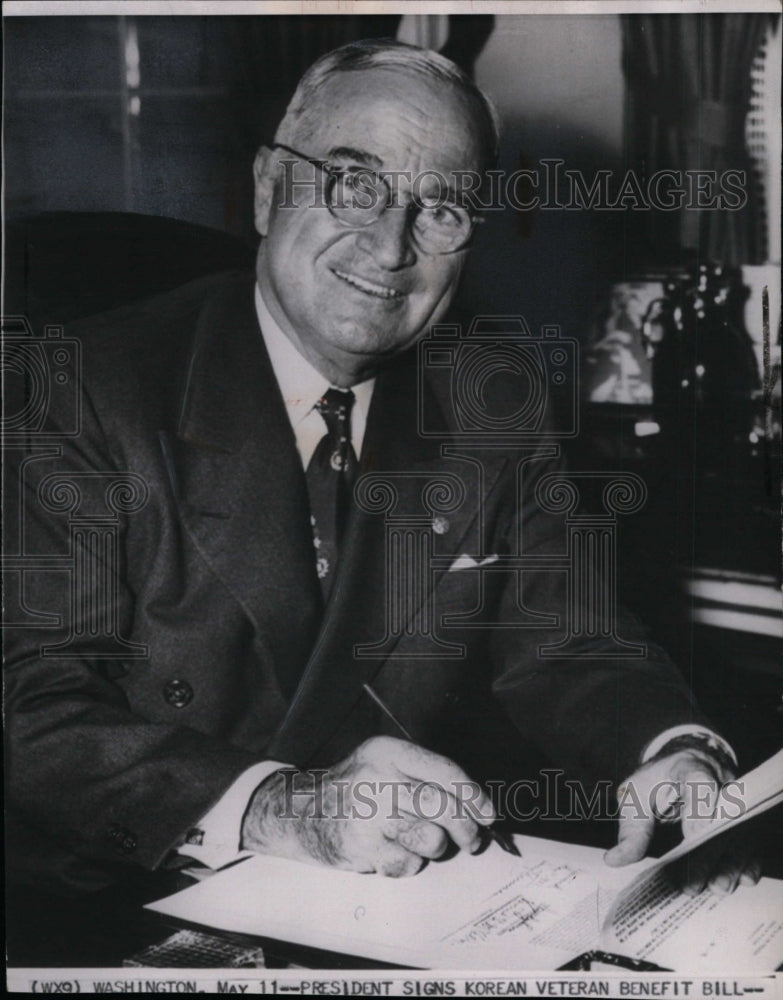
(300, 383)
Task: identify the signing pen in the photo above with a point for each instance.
(503, 840)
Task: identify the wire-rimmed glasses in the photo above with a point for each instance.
(357, 196)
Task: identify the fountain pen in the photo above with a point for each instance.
(503, 840)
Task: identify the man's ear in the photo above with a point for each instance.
(264, 174)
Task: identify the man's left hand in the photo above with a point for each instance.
(682, 787)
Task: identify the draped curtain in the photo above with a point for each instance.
(689, 89)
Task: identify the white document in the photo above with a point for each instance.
(487, 911)
(497, 911)
(708, 933)
(741, 932)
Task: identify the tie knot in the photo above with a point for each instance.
(335, 407)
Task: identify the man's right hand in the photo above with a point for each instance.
(387, 807)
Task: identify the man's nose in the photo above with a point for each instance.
(388, 239)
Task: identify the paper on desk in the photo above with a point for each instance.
(756, 792)
(497, 911)
(473, 911)
(710, 932)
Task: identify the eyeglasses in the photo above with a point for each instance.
(358, 196)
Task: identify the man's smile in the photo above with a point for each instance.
(368, 287)
(352, 296)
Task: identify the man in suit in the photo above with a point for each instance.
(227, 603)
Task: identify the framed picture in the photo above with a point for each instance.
(617, 363)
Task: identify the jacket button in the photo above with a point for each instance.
(124, 841)
(128, 844)
(178, 693)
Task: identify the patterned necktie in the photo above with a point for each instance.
(330, 476)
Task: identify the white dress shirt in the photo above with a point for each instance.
(215, 841)
(302, 386)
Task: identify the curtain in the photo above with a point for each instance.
(689, 89)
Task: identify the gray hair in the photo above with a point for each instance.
(386, 53)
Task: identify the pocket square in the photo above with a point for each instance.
(468, 562)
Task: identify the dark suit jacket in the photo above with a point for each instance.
(113, 758)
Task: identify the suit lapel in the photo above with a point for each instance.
(356, 614)
(240, 483)
(243, 499)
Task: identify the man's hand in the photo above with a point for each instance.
(682, 787)
(388, 807)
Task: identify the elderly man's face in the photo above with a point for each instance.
(348, 298)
